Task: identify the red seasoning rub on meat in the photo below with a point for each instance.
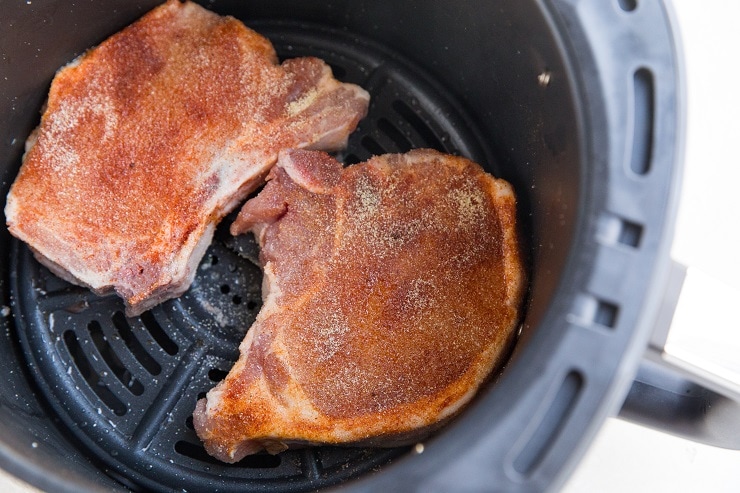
(149, 139)
(392, 290)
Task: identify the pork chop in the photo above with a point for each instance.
(392, 289)
(152, 137)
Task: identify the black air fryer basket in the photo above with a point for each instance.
(575, 102)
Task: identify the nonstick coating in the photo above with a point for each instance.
(577, 103)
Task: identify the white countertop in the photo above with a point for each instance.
(625, 457)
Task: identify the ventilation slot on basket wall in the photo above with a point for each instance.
(627, 5)
(551, 423)
(643, 120)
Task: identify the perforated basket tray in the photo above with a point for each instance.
(126, 387)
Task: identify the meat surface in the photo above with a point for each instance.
(392, 289)
(152, 137)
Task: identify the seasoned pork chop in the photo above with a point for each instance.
(392, 289)
(149, 139)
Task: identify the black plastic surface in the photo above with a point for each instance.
(663, 399)
(551, 89)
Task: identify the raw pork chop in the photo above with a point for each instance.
(392, 289)
(151, 138)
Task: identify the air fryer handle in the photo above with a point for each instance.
(677, 397)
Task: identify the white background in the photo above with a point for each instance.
(625, 457)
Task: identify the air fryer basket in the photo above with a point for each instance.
(574, 102)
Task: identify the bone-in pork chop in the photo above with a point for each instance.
(392, 289)
(149, 139)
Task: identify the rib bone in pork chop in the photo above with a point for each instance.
(392, 289)
(149, 139)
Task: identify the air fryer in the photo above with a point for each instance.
(577, 103)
